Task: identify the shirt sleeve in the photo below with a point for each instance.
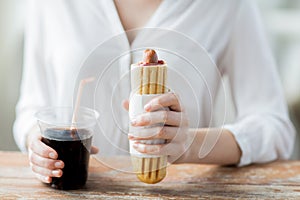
(34, 90)
(262, 128)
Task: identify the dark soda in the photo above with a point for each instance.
(73, 148)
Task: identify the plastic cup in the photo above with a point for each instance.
(71, 140)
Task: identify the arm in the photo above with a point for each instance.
(38, 89)
(262, 131)
(262, 127)
(185, 146)
(35, 93)
(226, 150)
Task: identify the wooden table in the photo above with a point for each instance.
(278, 180)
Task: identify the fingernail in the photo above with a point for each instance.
(133, 122)
(147, 107)
(46, 179)
(56, 172)
(130, 136)
(58, 164)
(52, 155)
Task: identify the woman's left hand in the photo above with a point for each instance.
(174, 129)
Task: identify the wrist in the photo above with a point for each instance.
(211, 146)
(189, 155)
(31, 134)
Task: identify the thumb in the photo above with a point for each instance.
(94, 150)
(125, 104)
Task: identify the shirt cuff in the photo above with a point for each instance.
(22, 127)
(243, 143)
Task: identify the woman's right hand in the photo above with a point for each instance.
(43, 159)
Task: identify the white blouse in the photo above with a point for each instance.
(201, 41)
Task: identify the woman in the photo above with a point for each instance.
(60, 34)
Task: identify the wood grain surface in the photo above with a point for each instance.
(109, 178)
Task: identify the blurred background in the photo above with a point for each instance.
(281, 18)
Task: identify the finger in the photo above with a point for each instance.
(51, 164)
(146, 148)
(94, 150)
(44, 179)
(125, 104)
(42, 149)
(167, 133)
(46, 172)
(165, 100)
(144, 132)
(170, 149)
(169, 118)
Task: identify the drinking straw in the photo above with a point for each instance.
(78, 98)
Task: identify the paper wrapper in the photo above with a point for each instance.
(147, 83)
